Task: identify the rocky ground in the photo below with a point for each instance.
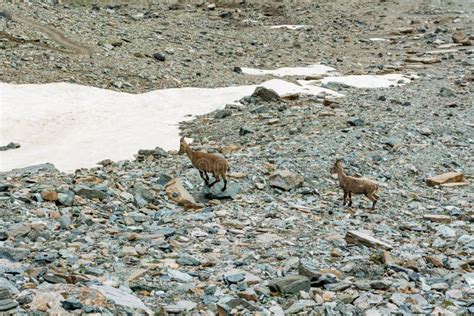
(116, 239)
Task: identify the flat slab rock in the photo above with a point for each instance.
(449, 177)
(176, 192)
(358, 237)
(122, 298)
(215, 192)
(291, 284)
(437, 218)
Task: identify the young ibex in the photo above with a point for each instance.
(206, 162)
(355, 185)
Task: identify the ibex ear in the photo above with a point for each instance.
(182, 139)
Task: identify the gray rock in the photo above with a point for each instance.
(380, 284)
(286, 180)
(179, 276)
(291, 284)
(7, 304)
(222, 114)
(308, 269)
(355, 121)
(156, 153)
(244, 130)
(14, 254)
(159, 56)
(66, 198)
(142, 196)
(10, 146)
(187, 260)
(91, 193)
(266, 95)
(122, 298)
(234, 278)
(215, 192)
(446, 231)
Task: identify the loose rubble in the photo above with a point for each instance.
(144, 236)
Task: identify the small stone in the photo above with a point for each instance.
(446, 231)
(66, 199)
(264, 94)
(380, 285)
(215, 192)
(187, 260)
(49, 195)
(355, 122)
(9, 146)
(461, 38)
(179, 276)
(244, 130)
(222, 114)
(234, 278)
(90, 193)
(71, 305)
(291, 284)
(159, 56)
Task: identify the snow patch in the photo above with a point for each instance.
(312, 70)
(288, 26)
(369, 81)
(75, 126)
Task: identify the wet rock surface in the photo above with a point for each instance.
(146, 235)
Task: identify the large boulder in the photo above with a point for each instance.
(286, 180)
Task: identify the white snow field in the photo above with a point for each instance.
(312, 70)
(75, 126)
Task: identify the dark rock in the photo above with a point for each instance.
(291, 284)
(447, 93)
(8, 304)
(45, 257)
(71, 305)
(259, 109)
(323, 280)
(265, 95)
(156, 153)
(238, 70)
(3, 236)
(234, 278)
(215, 192)
(4, 187)
(355, 122)
(244, 130)
(159, 56)
(225, 14)
(10, 146)
(380, 284)
(222, 114)
(226, 304)
(382, 98)
(91, 193)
